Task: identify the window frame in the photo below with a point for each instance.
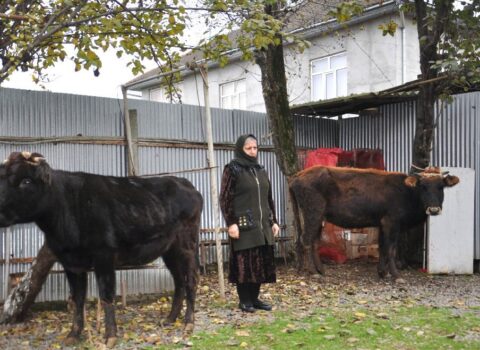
(235, 93)
(323, 76)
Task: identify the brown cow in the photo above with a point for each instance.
(355, 198)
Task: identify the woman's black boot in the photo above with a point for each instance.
(257, 303)
(243, 290)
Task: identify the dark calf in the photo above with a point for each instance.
(104, 222)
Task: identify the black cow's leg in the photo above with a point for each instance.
(78, 291)
(174, 265)
(105, 274)
(191, 288)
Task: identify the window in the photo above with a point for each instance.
(158, 95)
(329, 77)
(232, 95)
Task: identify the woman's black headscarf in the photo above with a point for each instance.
(241, 157)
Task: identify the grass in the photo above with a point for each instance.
(416, 327)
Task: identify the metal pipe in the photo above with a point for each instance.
(213, 181)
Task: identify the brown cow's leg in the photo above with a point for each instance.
(174, 264)
(392, 256)
(105, 274)
(78, 291)
(382, 261)
(312, 210)
(388, 250)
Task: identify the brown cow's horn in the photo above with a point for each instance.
(418, 168)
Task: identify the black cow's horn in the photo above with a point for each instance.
(26, 154)
(444, 173)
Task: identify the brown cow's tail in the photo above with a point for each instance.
(298, 227)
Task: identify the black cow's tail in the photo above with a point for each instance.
(298, 228)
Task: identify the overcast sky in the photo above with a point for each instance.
(64, 79)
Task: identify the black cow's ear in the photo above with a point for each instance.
(450, 180)
(44, 172)
(411, 181)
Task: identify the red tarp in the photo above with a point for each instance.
(322, 156)
(361, 158)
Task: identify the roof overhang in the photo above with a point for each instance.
(355, 104)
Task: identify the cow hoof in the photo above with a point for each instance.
(167, 322)
(71, 340)
(400, 280)
(188, 328)
(110, 343)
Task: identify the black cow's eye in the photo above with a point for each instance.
(25, 182)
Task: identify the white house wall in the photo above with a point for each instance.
(374, 63)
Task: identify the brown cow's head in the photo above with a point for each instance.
(430, 183)
(24, 178)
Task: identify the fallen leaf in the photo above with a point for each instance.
(360, 315)
(242, 333)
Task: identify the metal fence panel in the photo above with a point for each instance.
(46, 114)
(42, 114)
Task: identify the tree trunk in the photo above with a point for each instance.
(23, 295)
(429, 34)
(274, 87)
(275, 95)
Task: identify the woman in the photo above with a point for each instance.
(249, 211)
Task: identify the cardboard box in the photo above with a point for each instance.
(373, 252)
(372, 233)
(359, 238)
(356, 251)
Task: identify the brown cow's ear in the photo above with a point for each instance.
(450, 180)
(411, 181)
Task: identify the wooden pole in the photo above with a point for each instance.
(6, 277)
(213, 182)
(132, 171)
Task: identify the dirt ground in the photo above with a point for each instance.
(353, 283)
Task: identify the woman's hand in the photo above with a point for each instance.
(275, 230)
(233, 231)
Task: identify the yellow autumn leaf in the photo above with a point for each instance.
(242, 333)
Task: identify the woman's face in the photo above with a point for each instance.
(250, 148)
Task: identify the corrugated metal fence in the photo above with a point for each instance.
(82, 133)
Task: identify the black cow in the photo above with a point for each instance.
(355, 198)
(104, 222)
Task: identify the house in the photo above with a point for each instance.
(343, 59)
